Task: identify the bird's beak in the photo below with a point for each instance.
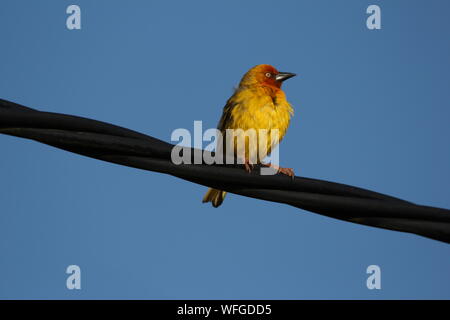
(281, 76)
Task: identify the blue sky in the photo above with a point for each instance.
(371, 110)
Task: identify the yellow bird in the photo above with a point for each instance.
(258, 103)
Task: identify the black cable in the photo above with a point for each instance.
(122, 146)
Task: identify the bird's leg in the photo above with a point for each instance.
(248, 165)
(287, 171)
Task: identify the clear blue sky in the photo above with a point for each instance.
(372, 109)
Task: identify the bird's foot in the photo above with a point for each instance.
(287, 171)
(248, 166)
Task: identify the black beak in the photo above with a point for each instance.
(281, 76)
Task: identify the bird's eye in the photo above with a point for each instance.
(268, 74)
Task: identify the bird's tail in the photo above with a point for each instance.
(215, 196)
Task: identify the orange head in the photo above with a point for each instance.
(265, 75)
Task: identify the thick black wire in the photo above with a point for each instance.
(122, 146)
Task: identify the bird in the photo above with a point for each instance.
(257, 103)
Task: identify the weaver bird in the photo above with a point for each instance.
(257, 103)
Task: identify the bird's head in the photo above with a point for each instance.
(264, 74)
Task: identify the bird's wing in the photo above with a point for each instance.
(226, 120)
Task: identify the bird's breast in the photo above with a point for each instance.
(259, 110)
(262, 111)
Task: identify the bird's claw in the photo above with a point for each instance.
(287, 171)
(248, 166)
